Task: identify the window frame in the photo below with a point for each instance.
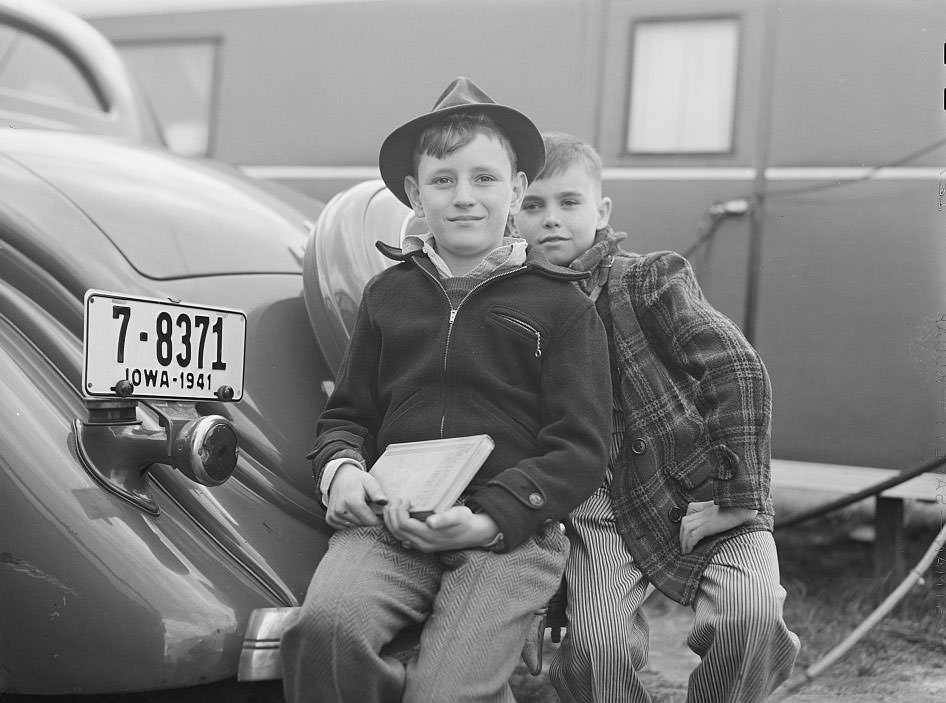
(37, 110)
(213, 107)
(633, 23)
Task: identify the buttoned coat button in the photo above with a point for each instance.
(638, 446)
(536, 501)
(675, 514)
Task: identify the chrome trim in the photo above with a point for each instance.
(260, 659)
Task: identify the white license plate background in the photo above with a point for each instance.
(160, 351)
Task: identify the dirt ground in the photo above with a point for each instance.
(827, 569)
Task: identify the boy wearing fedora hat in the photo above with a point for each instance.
(469, 333)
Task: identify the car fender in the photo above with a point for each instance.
(97, 580)
(340, 258)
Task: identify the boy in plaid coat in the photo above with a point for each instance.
(686, 503)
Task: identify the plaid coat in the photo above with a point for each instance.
(697, 407)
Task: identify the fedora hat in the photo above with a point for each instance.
(396, 159)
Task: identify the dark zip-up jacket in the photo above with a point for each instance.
(523, 358)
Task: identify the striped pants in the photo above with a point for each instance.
(476, 607)
(738, 631)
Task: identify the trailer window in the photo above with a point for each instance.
(178, 79)
(682, 86)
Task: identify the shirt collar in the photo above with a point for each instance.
(510, 254)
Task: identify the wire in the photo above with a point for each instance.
(716, 212)
(820, 187)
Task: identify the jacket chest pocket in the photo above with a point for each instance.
(516, 323)
(515, 346)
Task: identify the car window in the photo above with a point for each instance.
(30, 67)
(178, 77)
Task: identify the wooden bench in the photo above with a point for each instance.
(889, 538)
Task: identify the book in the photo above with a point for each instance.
(431, 474)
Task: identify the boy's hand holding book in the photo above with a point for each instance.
(457, 527)
(352, 497)
(415, 486)
(423, 481)
(431, 474)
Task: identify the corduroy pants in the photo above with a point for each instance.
(746, 649)
(476, 606)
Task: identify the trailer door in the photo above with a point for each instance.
(679, 128)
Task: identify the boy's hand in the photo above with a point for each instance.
(705, 518)
(455, 528)
(350, 497)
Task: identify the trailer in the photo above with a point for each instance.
(794, 149)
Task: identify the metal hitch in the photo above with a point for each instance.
(118, 452)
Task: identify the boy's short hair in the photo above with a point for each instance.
(456, 131)
(562, 151)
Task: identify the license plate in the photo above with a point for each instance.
(163, 349)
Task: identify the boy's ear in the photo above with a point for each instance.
(413, 194)
(604, 212)
(519, 185)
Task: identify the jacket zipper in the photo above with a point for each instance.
(455, 310)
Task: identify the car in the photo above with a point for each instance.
(143, 522)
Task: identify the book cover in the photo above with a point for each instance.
(431, 474)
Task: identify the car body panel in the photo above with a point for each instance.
(341, 258)
(156, 208)
(214, 553)
(88, 579)
(97, 594)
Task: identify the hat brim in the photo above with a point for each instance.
(396, 158)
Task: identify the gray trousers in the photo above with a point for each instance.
(477, 608)
(746, 649)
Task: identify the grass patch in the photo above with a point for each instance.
(832, 588)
